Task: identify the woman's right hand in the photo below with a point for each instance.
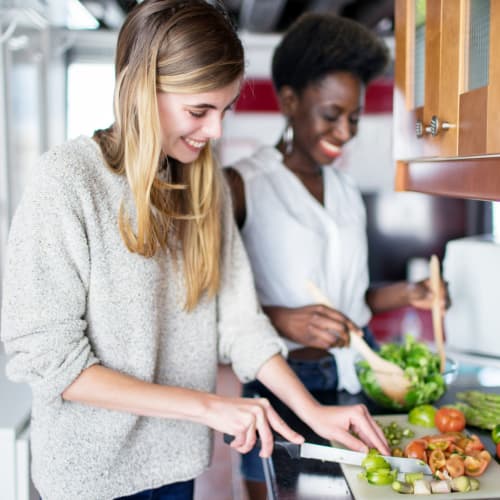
(312, 326)
(244, 418)
(350, 425)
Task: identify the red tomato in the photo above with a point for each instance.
(437, 460)
(498, 449)
(474, 466)
(483, 455)
(416, 449)
(455, 465)
(449, 420)
(439, 442)
(473, 444)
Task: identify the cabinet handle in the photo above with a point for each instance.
(433, 128)
(421, 129)
(436, 125)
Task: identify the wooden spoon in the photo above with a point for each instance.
(437, 319)
(390, 376)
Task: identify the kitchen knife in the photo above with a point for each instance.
(343, 456)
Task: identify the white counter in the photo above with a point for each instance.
(15, 407)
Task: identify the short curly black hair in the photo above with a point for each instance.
(316, 45)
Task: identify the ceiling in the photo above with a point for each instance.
(253, 16)
(267, 16)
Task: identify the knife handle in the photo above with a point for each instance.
(292, 449)
(228, 439)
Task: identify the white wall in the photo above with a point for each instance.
(368, 157)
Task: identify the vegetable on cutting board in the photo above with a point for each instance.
(376, 469)
(495, 434)
(423, 415)
(481, 409)
(456, 458)
(450, 454)
(449, 420)
(425, 486)
(394, 433)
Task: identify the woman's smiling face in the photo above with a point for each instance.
(324, 117)
(189, 121)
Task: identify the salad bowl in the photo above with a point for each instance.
(421, 366)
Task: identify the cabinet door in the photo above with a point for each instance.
(409, 76)
(427, 73)
(479, 117)
(441, 113)
(447, 78)
(458, 151)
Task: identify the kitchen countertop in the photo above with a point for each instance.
(15, 413)
(307, 479)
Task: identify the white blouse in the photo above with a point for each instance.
(292, 239)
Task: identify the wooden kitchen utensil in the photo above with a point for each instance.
(390, 376)
(437, 318)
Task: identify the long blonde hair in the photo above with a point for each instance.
(182, 46)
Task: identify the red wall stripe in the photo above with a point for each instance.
(258, 95)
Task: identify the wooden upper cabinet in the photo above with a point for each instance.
(447, 97)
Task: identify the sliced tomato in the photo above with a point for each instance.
(453, 448)
(438, 444)
(437, 460)
(485, 455)
(473, 443)
(462, 443)
(474, 466)
(455, 437)
(455, 465)
(416, 449)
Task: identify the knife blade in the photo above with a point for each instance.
(342, 455)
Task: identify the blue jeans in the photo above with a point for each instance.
(319, 375)
(175, 491)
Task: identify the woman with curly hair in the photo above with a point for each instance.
(302, 220)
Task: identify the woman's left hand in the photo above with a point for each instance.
(421, 295)
(337, 423)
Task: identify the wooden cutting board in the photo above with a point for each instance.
(362, 490)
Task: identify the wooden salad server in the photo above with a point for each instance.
(390, 376)
(437, 317)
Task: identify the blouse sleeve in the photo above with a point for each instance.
(247, 338)
(46, 281)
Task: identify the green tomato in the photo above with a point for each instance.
(374, 462)
(422, 415)
(495, 434)
(381, 477)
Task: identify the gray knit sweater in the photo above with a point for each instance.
(75, 296)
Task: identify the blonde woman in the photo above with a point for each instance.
(127, 282)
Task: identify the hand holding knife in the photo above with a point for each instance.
(342, 455)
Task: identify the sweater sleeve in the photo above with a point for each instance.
(46, 279)
(247, 338)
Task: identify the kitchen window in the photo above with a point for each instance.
(89, 97)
